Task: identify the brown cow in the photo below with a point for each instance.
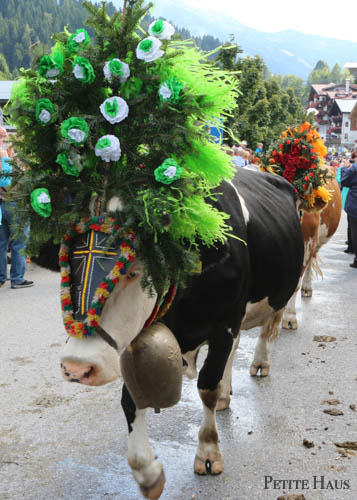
(317, 228)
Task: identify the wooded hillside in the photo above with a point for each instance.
(24, 23)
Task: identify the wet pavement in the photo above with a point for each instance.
(66, 441)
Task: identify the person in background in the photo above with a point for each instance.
(349, 179)
(18, 261)
(344, 193)
(238, 158)
(259, 150)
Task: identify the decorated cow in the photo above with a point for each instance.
(299, 157)
(164, 248)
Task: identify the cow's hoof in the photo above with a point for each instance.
(306, 292)
(264, 369)
(154, 491)
(223, 403)
(289, 324)
(209, 465)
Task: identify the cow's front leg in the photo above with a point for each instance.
(226, 383)
(147, 470)
(269, 332)
(208, 458)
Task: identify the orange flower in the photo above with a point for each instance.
(304, 126)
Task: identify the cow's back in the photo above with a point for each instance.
(274, 236)
(264, 263)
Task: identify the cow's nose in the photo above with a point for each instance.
(81, 373)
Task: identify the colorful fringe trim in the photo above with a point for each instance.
(87, 328)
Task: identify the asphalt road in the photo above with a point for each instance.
(66, 441)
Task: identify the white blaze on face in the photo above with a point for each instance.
(92, 360)
(127, 308)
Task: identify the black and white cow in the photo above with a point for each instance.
(240, 287)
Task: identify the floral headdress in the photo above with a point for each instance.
(299, 157)
(124, 117)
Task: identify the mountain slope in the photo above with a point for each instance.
(285, 52)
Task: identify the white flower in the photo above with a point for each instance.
(114, 109)
(165, 92)
(161, 29)
(170, 172)
(76, 134)
(80, 37)
(44, 116)
(149, 49)
(78, 72)
(52, 73)
(108, 148)
(44, 198)
(116, 67)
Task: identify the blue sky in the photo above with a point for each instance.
(330, 18)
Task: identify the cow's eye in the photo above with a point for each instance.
(132, 274)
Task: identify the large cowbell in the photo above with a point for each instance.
(91, 260)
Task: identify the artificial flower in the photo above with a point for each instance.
(51, 66)
(170, 90)
(114, 109)
(149, 49)
(115, 68)
(168, 172)
(75, 129)
(44, 111)
(69, 166)
(41, 202)
(83, 70)
(161, 29)
(108, 148)
(78, 40)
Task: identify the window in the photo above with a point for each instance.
(346, 136)
(346, 124)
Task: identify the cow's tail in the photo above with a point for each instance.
(316, 262)
(270, 328)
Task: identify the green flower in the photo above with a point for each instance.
(68, 165)
(41, 202)
(149, 49)
(51, 67)
(161, 29)
(78, 40)
(114, 109)
(75, 129)
(83, 70)
(168, 172)
(170, 90)
(44, 111)
(117, 69)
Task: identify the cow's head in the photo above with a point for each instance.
(121, 311)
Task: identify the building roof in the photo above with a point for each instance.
(5, 89)
(346, 105)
